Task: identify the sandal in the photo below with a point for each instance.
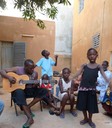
(51, 112)
(73, 113)
(32, 114)
(62, 115)
(92, 124)
(82, 122)
(27, 125)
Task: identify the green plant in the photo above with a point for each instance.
(30, 7)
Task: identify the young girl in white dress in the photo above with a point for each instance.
(66, 93)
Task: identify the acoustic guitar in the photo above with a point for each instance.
(21, 81)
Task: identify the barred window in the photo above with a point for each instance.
(19, 53)
(96, 40)
(81, 5)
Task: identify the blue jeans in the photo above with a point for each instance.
(1, 106)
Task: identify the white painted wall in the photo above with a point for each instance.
(63, 40)
(63, 44)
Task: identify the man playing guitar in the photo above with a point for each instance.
(30, 91)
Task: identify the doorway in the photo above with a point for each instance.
(6, 54)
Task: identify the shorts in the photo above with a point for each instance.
(19, 96)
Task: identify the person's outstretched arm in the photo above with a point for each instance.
(56, 60)
(103, 74)
(79, 72)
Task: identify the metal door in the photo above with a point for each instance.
(6, 55)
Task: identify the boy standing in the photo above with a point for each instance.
(46, 64)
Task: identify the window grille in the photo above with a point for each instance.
(96, 40)
(19, 53)
(81, 5)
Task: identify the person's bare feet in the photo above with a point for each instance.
(52, 112)
(58, 108)
(55, 109)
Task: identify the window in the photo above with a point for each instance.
(6, 54)
(81, 5)
(18, 53)
(96, 40)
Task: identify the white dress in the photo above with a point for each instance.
(65, 88)
(102, 84)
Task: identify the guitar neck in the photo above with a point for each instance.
(37, 81)
(31, 81)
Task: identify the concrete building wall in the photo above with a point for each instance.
(63, 30)
(63, 35)
(94, 19)
(36, 39)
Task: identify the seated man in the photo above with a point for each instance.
(102, 84)
(30, 91)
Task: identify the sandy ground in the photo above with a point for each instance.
(43, 119)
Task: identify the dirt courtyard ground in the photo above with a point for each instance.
(43, 119)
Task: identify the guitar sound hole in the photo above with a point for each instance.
(21, 82)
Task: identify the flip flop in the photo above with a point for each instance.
(62, 115)
(32, 114)
(82, 122)
(26, 126)
(73, 113)
(92, 124)
(51, 112)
